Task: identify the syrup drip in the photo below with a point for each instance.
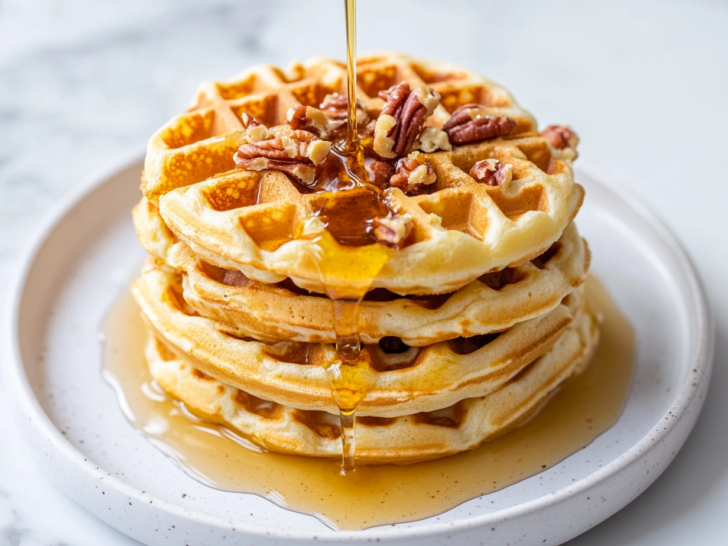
(581, 409)
(349, 253)
(351, 134)
(348, 261)
(349, 371)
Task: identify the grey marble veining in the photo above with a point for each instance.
(83, 84)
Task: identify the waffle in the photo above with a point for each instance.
(406, 380)
(276, 312)
(407, 438)
(255, 222)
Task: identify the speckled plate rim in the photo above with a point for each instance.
(680, 416)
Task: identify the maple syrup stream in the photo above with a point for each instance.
(352, 138)
(345, 373)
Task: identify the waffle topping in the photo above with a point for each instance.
(336, 106)
(254, 130)
(392, 231)
(339, 171)
(402, 117)
(492, 172)
(314, 121)
(413, 173)
(469, 124)
(293, 152)
(380, 172)
(432, 139)
(348, 218)
(562, 137)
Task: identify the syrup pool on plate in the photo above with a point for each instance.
(579, 411)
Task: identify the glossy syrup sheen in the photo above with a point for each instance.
(581, 410)
(346, 372)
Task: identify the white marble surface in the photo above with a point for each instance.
(83, 83)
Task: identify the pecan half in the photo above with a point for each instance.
(292, 152)
(392, 231)
(491, 172)
(313, 120)
(402, 117)
(336, 106)
(413, 173)
(468, 125)
(562, 137)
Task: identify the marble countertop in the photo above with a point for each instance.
(83, 83)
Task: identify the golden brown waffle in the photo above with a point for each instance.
(259, 222)
(277, 312)
(407, 438)
(293, 374)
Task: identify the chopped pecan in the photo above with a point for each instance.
(413, 173)
(562, 137)
(336, 106)
(382, 172)
(313, 120)
(392, 231)
(371, 126)
(293, 152)
(254, 130)
(432, 139)
(468, 124)
(491, 172)
(402, 117)
(382, 143)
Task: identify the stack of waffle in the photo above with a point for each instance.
(474, 319)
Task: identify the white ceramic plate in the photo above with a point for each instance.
(71, 417)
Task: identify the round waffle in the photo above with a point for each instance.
(276, 312)
(407, 438)
(255, 221)
(400, 379)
